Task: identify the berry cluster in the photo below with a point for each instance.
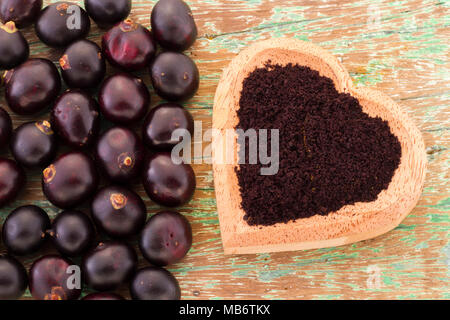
(107, 150)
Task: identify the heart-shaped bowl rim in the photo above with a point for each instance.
(351, 223)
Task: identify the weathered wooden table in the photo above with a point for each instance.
(399, 47)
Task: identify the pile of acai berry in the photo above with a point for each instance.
(88, 150)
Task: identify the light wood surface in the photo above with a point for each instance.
(405, 56)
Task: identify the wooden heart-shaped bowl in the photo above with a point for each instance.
(351, 223)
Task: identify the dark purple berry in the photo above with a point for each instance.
(167, 183)
(62, 23)
(119, 212)
(24, 230)
(82, 65)
(154, 283)
(52, 278)
(5, 128)
(34, 144)
(129, 46)
(23, 12)
(14, 49)
(109, 265)
(120, 154)
(108, 12)
(175, 76)
(72, 233)
(161, 123)
(32, 86)
(12, 180)
(123, 99)
(70, 180)
(13, 278)
(166, 238)
(173, 25)
(76, 119)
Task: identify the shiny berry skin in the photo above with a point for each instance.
(13, 278)
(34, 144)
(24, 230)
(103, 296)
(118, 212)
(109, 265)
(160, 124)
(72, 233)
(120, 154)
(83, 65)
(70, 180)
(124, 99)
(175, 76)
(12, 180)
(173, 25)
(75, 118)
(5, 128)
(32, 86)
(154, 283)
(14, 49)
(49, 277)
(108, 12)
(23, 12)
(166, 238)
(129, 45)
(62, 23)
(166, 183)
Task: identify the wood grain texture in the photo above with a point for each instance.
(398, 47)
